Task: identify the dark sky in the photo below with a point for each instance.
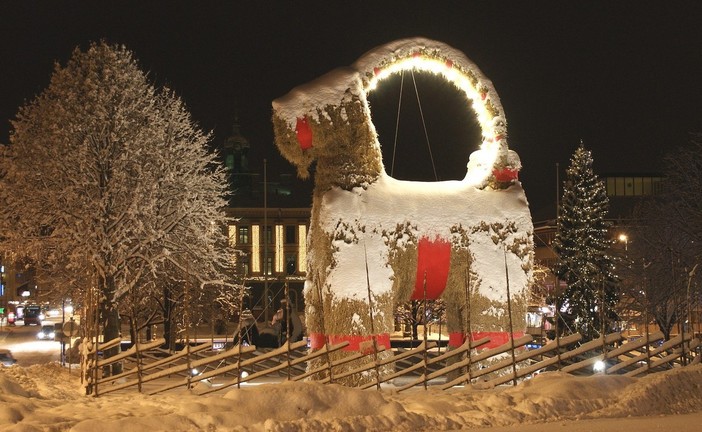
(623, 76)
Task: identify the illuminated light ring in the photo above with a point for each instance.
(442, 60)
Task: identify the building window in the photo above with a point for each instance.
(279, 249)
(629, 186)
(302, 248)
(255, 249)
(231, 234)
(245, 265)
(290, 234)
(268, 266)
(619, 186)
(268, 235)
(291, 264)
(243, 235)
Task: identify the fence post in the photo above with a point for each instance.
(370, 309)
(469, 332)
(511, 327)
(602, 326)
(288, 324)
(186, 316)
(324, 328)
(96, 370)
(424, 314)
(241, 330)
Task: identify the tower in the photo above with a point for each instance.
(236, 158)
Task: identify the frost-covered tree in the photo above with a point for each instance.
(109, 182)
(658, 270)
(661, 282)
(582, 244)
(414, 313)
(683, 179)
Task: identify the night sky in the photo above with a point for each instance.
(622, 77)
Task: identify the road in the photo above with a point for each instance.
(26, 348)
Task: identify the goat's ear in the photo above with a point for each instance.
(295, 144)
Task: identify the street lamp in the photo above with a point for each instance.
(624, 239)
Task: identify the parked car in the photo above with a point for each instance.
(47, 332)
(6, 358)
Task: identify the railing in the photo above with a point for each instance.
(420, 366)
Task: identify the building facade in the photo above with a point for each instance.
(272, 258)
(270, 228)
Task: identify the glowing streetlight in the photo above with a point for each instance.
(624, 239)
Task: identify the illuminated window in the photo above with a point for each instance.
(628, 186)
(619, 186)
(611, 187)
(255, 249)
(279, 258)
(302, 248)
(232, 235)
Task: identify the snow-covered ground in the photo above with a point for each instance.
(47, 398)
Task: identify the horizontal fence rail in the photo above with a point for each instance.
(203, 370)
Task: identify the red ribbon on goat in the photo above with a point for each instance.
(362, 343)
(457, 339)
(434, 258)
(505, 174)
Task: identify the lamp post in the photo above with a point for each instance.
(624, 239)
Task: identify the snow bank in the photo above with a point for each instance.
(46, 398)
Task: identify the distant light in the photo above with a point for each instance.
(599, 366)
(623, 238)
(26, 293)
(244, 374)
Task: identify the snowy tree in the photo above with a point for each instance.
(661, 278)
(683, 180)
(109, 182)
(417, 312)
(658, 270)
(582, 243)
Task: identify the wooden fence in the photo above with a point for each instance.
(203, 370)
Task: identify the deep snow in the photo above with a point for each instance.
(47, 398)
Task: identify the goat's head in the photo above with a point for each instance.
(329, 120)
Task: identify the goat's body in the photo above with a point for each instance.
(372, 234)
(365, 245)
(368, 219)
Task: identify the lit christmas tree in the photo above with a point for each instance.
(582, 243)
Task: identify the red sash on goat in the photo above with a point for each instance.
(434, 259)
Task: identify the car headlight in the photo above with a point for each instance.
(52, 335)
(40, 335)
